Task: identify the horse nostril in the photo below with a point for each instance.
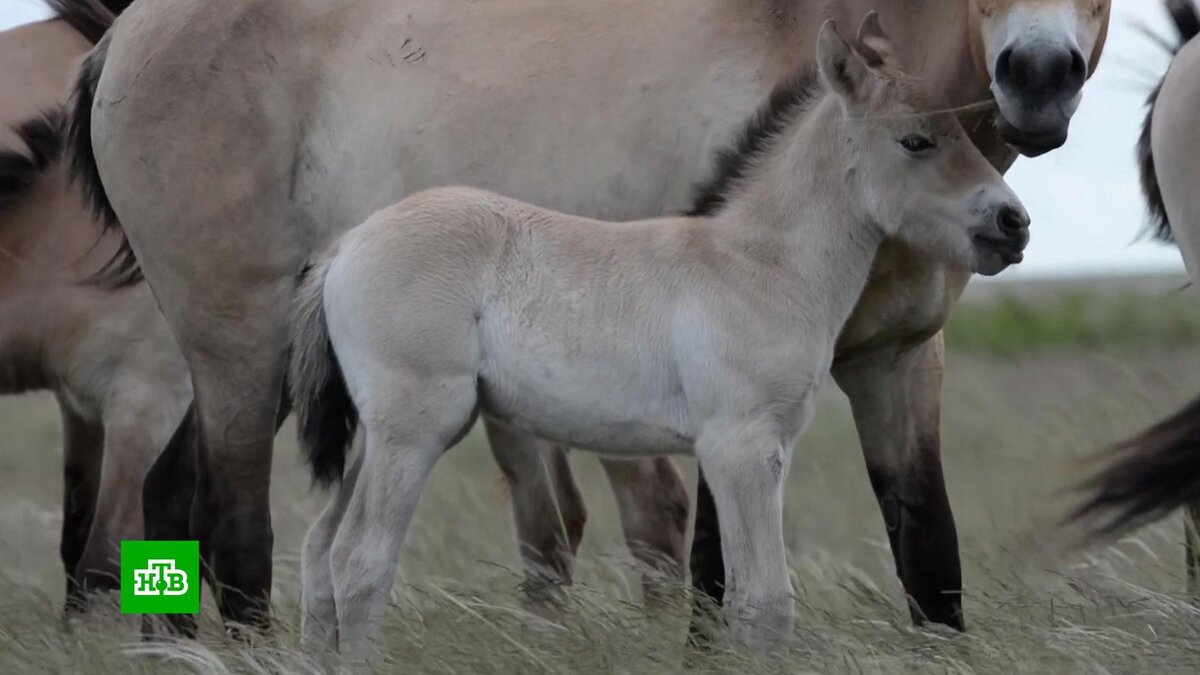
(1012, 221)
(1079, 70)
(1004, 65)
(1038, 71)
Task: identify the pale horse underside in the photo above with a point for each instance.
(709, 334)
(234, 138)
(1157, 472)
(106, 354)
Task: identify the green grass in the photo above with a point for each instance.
(1015, 422)
(1013, 323)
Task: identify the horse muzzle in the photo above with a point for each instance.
(1001, 242)
(1038, 86)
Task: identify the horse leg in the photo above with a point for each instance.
(546, 505)
(403, 443)
(318, 618)
(135, 430)
(234, 343)
(895, 398)
(653, 503)
(746, 468)
(167, 495)
(1191, 534)
(707, 565)
(83, 448)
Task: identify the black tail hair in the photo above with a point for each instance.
(122, 269)
(1186, 19)
(20, 171)
(327, 417)
(1147, 477)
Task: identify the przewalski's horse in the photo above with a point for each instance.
(107, 355)
(237, 137)
(1157, 472)
(708, 334)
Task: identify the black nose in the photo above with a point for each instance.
(1012, 221)
(1041, 71)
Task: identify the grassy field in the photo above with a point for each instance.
(1037, 378)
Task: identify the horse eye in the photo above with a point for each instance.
(917, 144)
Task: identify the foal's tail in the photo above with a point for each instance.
(1146, 478)
(1186, 19)
(327, 416)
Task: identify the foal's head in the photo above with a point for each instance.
(913, 170)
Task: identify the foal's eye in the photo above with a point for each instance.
(917, 144)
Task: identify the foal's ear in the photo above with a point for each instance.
(843, 70)
(874, 44)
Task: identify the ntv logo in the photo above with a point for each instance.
(157, 576)
(160, 578)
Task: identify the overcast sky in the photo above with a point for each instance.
(1084, 198)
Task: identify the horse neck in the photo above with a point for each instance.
(933, 38)
(795, 211)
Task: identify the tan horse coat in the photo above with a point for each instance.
(236, 138)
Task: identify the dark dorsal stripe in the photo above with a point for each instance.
(92, 18)
(1187, 23)
(21, 169)
(787, 101)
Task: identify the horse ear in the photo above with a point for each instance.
(842, 69)
(874, 44)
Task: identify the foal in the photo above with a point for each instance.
(677, 335)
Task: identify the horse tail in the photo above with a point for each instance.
(122, 269)
(327, 418)
(1147, 477)
(1186, 19)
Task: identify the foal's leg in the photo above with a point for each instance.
(546, 505)
(83, 448)
(653, 503)
(746, 468)
(318, 618)
(896, 398)
(403, 442)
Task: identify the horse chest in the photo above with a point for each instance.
(907, 300)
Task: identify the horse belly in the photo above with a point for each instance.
(582, 398)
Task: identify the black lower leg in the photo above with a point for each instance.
(920, 526)
(167, 495)
(707, 566)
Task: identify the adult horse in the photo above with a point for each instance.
(235, 138)
(1157, 472)
(106, 354)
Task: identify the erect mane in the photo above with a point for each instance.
(44, 141)
(91, 18)
(1186, 19)
(788, 100)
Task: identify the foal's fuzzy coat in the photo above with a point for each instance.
(677, 335)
